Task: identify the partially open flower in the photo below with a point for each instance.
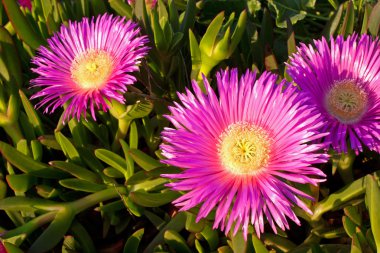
(25, 3)
(87, 64)
(241, 151)
(342, 77)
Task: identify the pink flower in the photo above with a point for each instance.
(26, 4)
(87, 64)
(342, 79)
(241, 152)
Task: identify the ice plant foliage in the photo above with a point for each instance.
(342, 77)
(150, 3)
(241, 152)
(88, 63)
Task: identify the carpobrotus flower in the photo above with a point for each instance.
(88, 63)
(240, 152)
(342, 77)
(25, 4)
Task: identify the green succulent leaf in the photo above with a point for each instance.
(211, 236)
(146, 199)
(374, 20)
(290, 9)
(54, 232)
(81, 185)
(192, 225)
(209, 39)
(258, 245)
(113, 160)
(9, 58)
(133, 242)
(67, 147)
(349, 20)
(145, 161)
(21, 25)
(176, 241)
(16, 158)
(372, 198)
(349, 226)
(76, 171)
(21, 182)
(239, 245)
(176, 223)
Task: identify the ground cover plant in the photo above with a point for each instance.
(189, 126)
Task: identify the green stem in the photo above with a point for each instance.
(95, 198)
(32, 225)
(337, 199)
(122, 131)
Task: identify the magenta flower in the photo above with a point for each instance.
(87, 64)
(241, 152)
(2, 248)
(25, 4)
(342, 77)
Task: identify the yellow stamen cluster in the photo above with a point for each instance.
(346, 101)
(244, 148)
(92, 69)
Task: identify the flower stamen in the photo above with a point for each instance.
(244, 148)
(92, 69)
(346, 101)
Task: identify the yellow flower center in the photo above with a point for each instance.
(244, 148)
(346, 101)
(92, 69)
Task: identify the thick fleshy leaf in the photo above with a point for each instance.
(113, 160)
(176, 223)
(67, 147)
(54, 232)
(9, 57)
(140, 109)
(133, 242)
(278, 242)
(81, 185)
(145, 161)
(46, 191)
(334, 22)
(10, 248)
(176, 241)
(294, 10)
(353, 213)
(21, 25)
(258, 245)
(21, 182)
(349, 20)
(83, 237)
(337, 199)
(349, 226)
(16, 158)
(211, 236)
(192, 225)
(374, 20)
(239, 245)
(49, 141)
(372, 200)
(146, 199)
(189, 18)
(76, 171)
(121, 8)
